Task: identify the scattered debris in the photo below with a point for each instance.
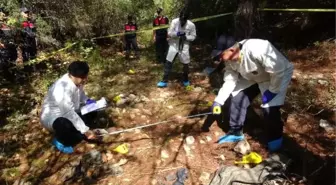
(242, 147)
(323, 82)
(190, 140)
(182, 175)
(326, 125)
(204, 178)
(121, 162)
(122, 149)
(131, 71)
(187, 150)
(189, 88)
(198, 89)
(252, 158)
(171, 177)
(164, 154)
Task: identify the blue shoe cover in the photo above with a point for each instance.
(186, 83)
(275, 145)
(162, 84)
(230, 138)
(61, 147)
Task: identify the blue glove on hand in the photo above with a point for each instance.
(180, 34)
(89, 101)
(267, 96)
(216, 108)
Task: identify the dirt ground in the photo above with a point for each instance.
(157, 152)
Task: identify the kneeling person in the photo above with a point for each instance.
(61, 108)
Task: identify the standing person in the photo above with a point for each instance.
(29, 49)
(61, 108)
(160, 36)
(130, 37)
(8, 54)
(181, 32)
(254, 66)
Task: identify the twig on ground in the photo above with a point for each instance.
(319, 112)
(160, 171)
(146, 148)
(318, 169)
(305, 110)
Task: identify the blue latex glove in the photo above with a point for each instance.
(89, 101)
(267, 96)
(216, 108)
(180, 34)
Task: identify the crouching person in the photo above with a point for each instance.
(254, 66)
(61, 109)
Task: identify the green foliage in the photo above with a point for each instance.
(58, 22)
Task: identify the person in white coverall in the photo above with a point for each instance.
(60, 109)
(181, 32)
(254, 66)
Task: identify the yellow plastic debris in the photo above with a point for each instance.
(122, 149)
(189, 88)
(131, 71)
(252, 158)
(207, 104)
(117, 98)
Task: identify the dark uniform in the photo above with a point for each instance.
(130, 39)
(161, 43)
(28, 48)
(8, 54)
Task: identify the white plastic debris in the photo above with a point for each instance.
(190, 140)
(326, 125)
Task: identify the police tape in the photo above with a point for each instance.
(42, 58)
(298, 10)
(161, 27)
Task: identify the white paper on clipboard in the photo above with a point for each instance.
(100, 104)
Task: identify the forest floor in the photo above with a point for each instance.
(157, 153)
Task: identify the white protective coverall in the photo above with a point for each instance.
(190, 30)
(260, 63)
(63, 100)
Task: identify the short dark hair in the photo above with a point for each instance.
(79, 69)
(159, 10)
(184, 14)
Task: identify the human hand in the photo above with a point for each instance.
(90, 134)
(268, 96)
(180, 34)
(89, 101)
(216, 108)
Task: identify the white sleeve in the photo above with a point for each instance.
(275, 64)
(172, 29)
(191, 36)
(83, 96)
(230, 81)
(63, 98)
